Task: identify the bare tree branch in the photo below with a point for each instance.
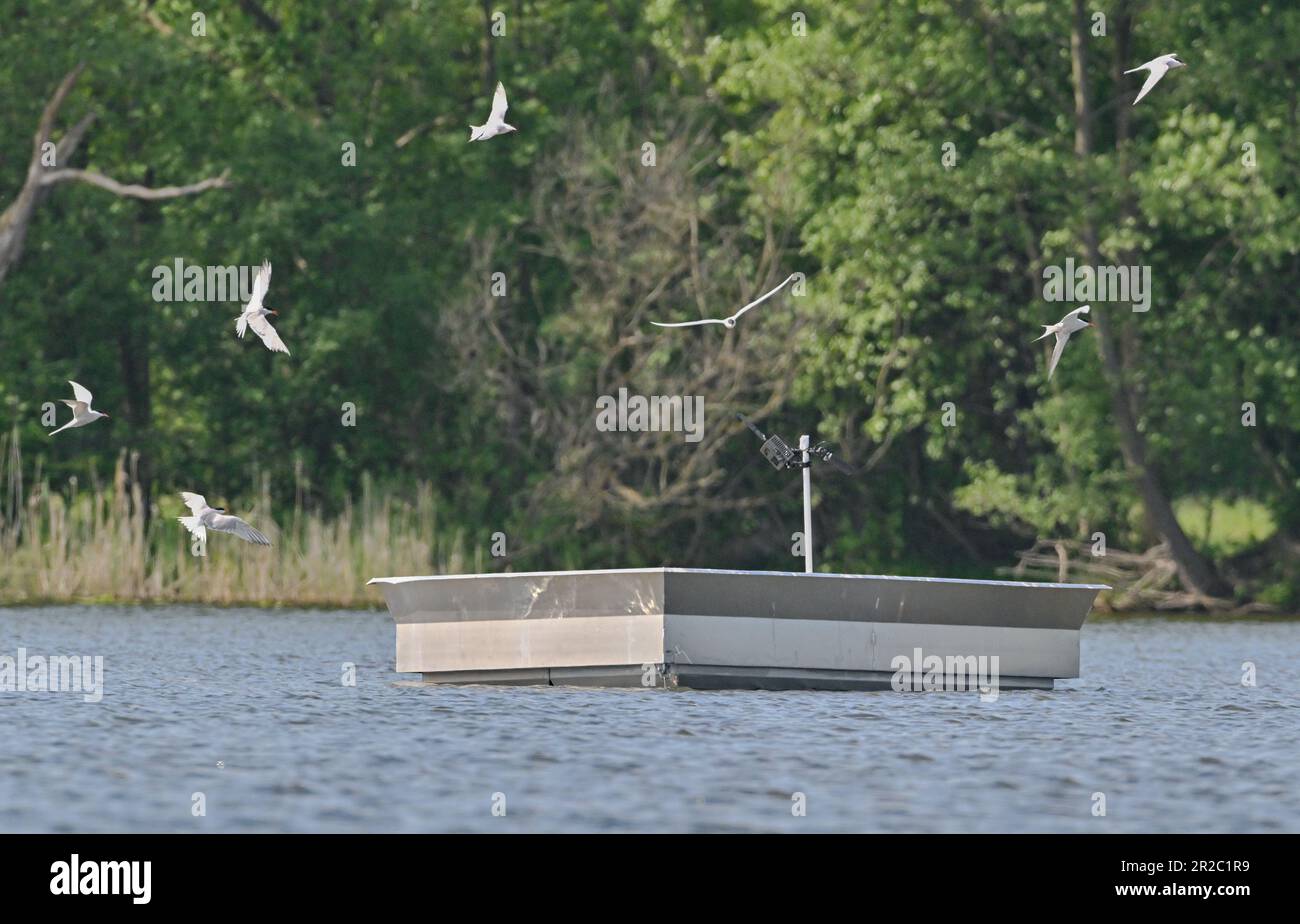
(68, 144)
(636, 244)
(17, 217)
(45, 127)
(134, 190)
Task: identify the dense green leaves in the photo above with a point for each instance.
(822, 153)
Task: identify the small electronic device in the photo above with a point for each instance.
(782, 455)
(774, 449)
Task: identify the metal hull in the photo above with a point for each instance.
(672, 627)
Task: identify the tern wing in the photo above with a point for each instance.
(1157, 71)
(196, 502)
(262, 327)
(237, 527)
(764, 297)
(196, 528)
(78, 407)
(1061, 340)
(498, 113)
(260, 286)
(690, 323)
(82, 393)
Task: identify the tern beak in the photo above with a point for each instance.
(273, 311)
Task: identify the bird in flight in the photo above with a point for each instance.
(1063, 329)
(496, 122)
(1158, 67)
(731, 321)
(82, 413)
(206, 518)
(255, 316)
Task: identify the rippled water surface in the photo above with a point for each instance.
(248, 708)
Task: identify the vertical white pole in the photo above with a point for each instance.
(804, 443)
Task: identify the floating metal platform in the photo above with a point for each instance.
(666, 627)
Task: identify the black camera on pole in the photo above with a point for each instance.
(782, 456)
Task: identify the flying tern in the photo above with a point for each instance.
(496, 122)
(82, 413)
(731, 321)
(1063, 329)
(1158, 67)
(255, 316)
(216, 518)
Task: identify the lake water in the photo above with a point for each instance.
(248, 708)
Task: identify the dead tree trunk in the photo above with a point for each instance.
(1196, 572)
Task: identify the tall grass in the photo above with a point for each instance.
(92, 543)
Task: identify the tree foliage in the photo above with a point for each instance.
(821, 152)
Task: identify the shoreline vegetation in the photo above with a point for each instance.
(93, 545)
(1141, 582)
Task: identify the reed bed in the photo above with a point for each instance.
(75, 543)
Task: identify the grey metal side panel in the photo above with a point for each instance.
(605, 676)
(498, 644)
(508, 621)
(879, 599)
(718, 677)
(549, 595)
(841, 645)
